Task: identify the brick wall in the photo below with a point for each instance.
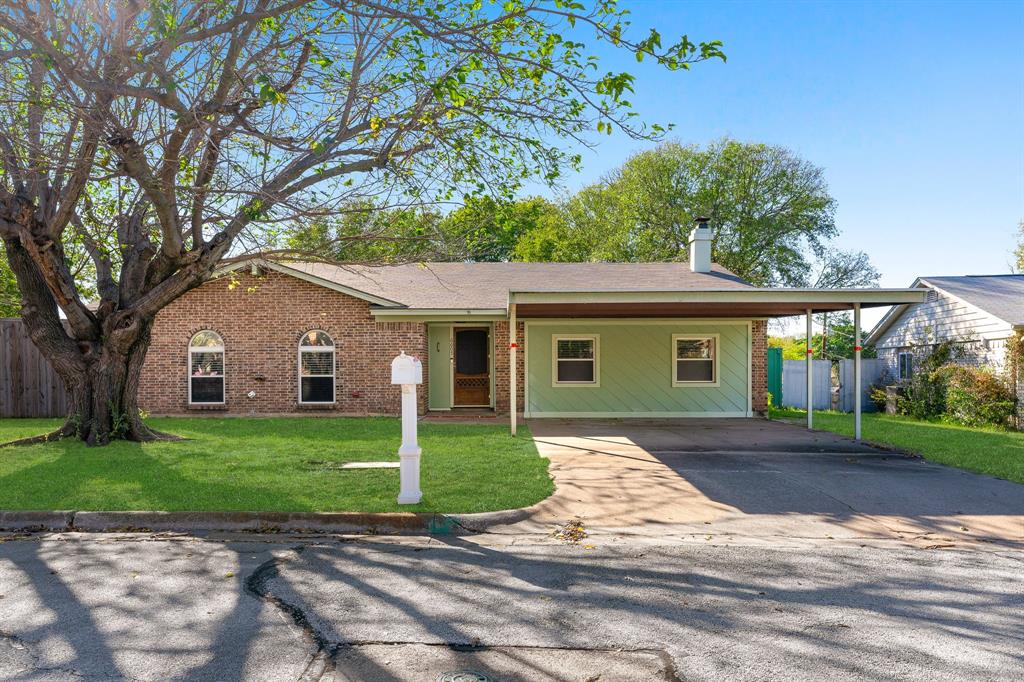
(759, 368)
(261, 320)
(501, 368)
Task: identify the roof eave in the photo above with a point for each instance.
(311, 278)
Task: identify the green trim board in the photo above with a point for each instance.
(636, 371)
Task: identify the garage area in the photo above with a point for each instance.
(755, 478)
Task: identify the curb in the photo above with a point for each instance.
(259, 522)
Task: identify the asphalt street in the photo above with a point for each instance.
(145, 607)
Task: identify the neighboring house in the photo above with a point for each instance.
(982, 311)
(592, 339)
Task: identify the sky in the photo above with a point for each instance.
(914, 109)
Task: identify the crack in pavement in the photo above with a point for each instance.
(20, 643)
(324, 659)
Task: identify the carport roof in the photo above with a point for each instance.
(571, 289)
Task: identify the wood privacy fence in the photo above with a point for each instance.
(28, 385)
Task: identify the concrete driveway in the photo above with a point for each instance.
(752, 478)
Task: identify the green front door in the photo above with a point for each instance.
(439, 366)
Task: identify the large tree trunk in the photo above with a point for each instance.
(104, 402)
(99, 364)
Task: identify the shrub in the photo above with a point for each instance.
(924, 395)
(977, 397)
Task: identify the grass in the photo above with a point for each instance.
(272, 464)
(992, 451)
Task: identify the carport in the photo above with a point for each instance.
(711, 308)
(757, 478)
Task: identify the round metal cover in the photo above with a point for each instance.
(463, 676)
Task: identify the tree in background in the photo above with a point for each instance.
(837, 345)
(165, 137)
(771, 211)
(1019, 253)
(10, 297)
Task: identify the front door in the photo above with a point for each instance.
(472, 367)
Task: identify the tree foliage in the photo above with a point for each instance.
(1019, 253)
(771, 211)
(164, 136)
(10, 297)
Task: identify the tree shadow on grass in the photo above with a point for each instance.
(122, 479)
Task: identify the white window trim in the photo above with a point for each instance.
(596, 338)
(334, 368)
(716, 338)
(899, 365)
(208, 349)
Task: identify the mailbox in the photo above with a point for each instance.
(406, 369)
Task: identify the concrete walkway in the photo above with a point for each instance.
(752, 478)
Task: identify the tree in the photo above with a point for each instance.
(166, 136)
(771, 211)
(10, 298)
(483, 229)
(837, 345)
(1019, 253)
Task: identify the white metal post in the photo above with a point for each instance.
(810, 372)
(856, 371)
(512, 347)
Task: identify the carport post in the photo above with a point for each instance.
(810, 373)
(512, 345)
(856, 371)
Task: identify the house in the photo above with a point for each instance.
(981, 311)
(591, 339)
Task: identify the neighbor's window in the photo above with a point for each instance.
(906, 365)
(575, 360)
(695, 359)
(316, 368)
(206, 369)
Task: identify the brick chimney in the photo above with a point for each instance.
(700, 246)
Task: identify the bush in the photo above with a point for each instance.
(924, 395)
(977, 397)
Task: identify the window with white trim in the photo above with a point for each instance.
(694, 359)
(905, 365)
(575, 360)
(316, 368)
(206, 369)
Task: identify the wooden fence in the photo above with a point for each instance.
(28, 385)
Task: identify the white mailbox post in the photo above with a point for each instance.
(407, 371)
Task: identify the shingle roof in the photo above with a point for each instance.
(998, 295)
(487, 285)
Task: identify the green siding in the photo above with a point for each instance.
(635, 367)
(439, 368)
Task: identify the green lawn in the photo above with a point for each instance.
(986, 451)
(272, 464)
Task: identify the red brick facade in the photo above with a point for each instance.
(759, 367)
(261, 320)
(501, 367)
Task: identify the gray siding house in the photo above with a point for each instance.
(982, 310)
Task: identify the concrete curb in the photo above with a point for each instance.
(36, 520)
(317, 522)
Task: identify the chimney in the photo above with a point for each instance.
(700, 246)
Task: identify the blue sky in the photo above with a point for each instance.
(914, 109)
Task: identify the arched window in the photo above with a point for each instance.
(316, 368)
(206, 369)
